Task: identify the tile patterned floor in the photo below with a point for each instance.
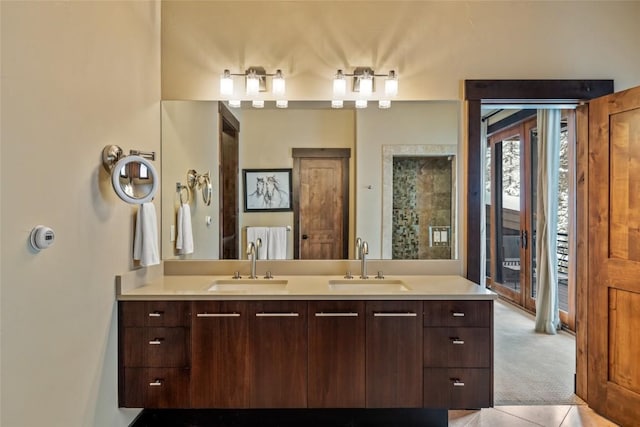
(530, 416)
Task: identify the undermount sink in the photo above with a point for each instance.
(368, 285)
(249, 285)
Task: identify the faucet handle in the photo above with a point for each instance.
(348, 275)
(380, 275)
(268, 275)
(236, 275)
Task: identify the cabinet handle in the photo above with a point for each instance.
(277, 314)
(156, 383)
(457, 314)
(218, 315)
(457, 341)
(457, 382)
(395, 314)
(156, 314)
(349, 314)
(156, 341)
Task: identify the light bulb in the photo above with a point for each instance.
(337, 103)
(257, 103)
(391, 84)
(366, 85)
(234, 103)
(384, 104)
(226, 84)
(339, 85)
(278, 84)
(253, 83)
(282, 103)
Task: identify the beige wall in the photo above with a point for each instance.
(434, 45)
(190, 141)
(76, 76)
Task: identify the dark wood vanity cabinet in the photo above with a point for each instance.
(220, 354)
(299, 354)
(154, 353)
(394, 354)
(458, 354)
(336, 354)
(278, 354)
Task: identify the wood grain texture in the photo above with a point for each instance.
(582, 247)
(154, 313)
(278, 348)
(440, 391)
(612, 382)
(156, 347)
(457, 347)
(172, 391)
(220, 355)
(336, 355)
(476, 314)
(394, 355)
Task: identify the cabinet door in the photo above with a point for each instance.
(394, 354)
(336, 354)
(278, 354)
(220, 346)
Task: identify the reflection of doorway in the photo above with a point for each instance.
(321, 203)
(229, 233)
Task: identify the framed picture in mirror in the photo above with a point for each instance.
(267, 190)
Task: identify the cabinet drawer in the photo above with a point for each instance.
(457, 388)
(458, 313)
(154, 313)
(457, 347)
(155, 388)
(155, 347)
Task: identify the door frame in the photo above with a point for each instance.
(549, 91)
(226, 116)
(319, 153)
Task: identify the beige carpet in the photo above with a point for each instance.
(531, 368)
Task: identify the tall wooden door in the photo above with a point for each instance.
(614, 256)
(321, 203)
(229, 146)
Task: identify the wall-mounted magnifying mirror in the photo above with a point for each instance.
(207, 189)
(134, 178)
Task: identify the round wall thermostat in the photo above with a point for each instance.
(41, 237)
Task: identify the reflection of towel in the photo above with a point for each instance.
(262, 233)
(184, 241)
(277, 243)
(145, 242)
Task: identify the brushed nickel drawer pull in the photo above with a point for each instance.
(457, 382)
(156, 314)
(156, 341)
(349, 314)
(457, 341)
(218, 315)
(457, 314)
(277, 314)
(156, 383)
(410, 314)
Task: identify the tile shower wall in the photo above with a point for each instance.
(421, 198)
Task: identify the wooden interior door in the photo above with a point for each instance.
(614, 256)
(229, 177)
(321, 203)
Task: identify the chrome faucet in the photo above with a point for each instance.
(364, 251)
(252, 253)
(358, 247)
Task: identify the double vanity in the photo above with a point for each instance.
(312, 340)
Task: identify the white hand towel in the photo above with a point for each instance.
(277, 243)
(262, 233)
(184, 240)
(145, 242)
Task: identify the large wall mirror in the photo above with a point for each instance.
(403, 172)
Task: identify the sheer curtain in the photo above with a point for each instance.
(547, 314)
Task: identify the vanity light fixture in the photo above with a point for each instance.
(255, 82)
(364, 86)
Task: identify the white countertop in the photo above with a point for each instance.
(305, 287)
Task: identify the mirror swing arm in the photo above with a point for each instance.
(127, 178)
